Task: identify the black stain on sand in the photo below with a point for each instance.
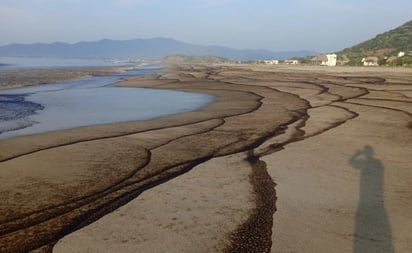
(14, 108)
(255, 235)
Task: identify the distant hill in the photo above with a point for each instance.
(383, 45)
(155, 48)
(189, 59)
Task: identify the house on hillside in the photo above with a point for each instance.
(370, 61)
(325, 59)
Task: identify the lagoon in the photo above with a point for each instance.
(89, 101)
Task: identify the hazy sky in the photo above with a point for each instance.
(278, 25)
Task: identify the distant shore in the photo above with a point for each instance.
(16, 78)
(274, 165)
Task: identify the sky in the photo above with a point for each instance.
(277, 25)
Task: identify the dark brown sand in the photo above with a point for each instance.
(296, 127)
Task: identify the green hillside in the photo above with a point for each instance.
(383, 45)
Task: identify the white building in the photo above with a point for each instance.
(400, 54)
(292, 62)
(271, 62)
(331, 59)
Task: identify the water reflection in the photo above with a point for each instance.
(372, 227)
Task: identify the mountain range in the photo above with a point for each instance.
(140, 48)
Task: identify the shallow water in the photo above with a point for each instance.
(87, 102)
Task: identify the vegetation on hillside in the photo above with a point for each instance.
(404, 61)
(383, 45)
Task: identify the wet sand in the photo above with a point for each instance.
(329, 146)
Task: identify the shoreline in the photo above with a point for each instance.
(81, 104)
(274, 114)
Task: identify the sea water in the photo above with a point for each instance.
(89, 101)
(7, 63)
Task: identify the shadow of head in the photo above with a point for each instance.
(364, 158)
(368, 151)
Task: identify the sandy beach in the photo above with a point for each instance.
(287, 159)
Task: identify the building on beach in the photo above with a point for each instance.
(325, 59)
(332, 58)
(320, 59)
(291, 62)
(271, 62)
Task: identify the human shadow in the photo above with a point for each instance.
(372, 228)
